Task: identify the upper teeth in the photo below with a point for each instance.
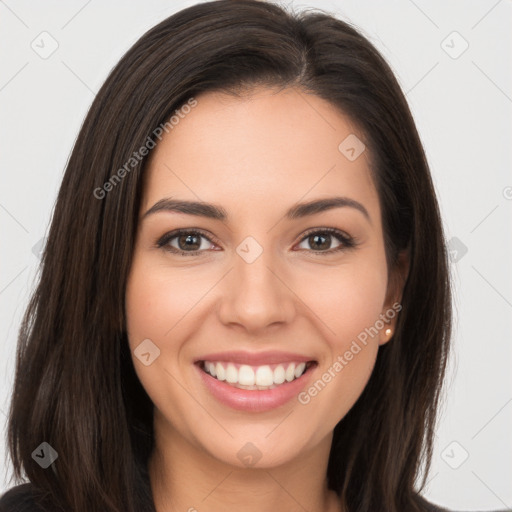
(246, 375)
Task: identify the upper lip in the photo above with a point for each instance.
(255, 358)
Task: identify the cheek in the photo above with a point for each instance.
(145, 300)
(336, 388)
(154, 309)
(346, 300)
(164, 305)
(157, 299)
(352, 352)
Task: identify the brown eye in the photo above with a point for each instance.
(320, 241)
(185, 242)
(192, 241)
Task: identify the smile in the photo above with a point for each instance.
(254, 388)
(243, 376)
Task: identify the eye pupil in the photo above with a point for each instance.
(187, 241)
(316, 238)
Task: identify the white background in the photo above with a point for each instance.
(462, 107)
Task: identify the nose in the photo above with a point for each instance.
(257, 296)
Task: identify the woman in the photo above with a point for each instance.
(238, 304)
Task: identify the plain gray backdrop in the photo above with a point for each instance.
(452, 60)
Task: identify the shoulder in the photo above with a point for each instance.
(19, 499)
(427, 506)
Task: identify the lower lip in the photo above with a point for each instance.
(254, 400)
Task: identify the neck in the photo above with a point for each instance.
(184, 477)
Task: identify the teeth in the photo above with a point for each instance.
(290, 372)
(279, 374)
(254, 377)
(246, 376)
(231, 374)
(264, 376)
(299, 370)
(220, 372)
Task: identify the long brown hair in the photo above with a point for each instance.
(75, 386)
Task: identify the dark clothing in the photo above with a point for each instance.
(19, 499)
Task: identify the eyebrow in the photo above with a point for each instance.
(217, 212)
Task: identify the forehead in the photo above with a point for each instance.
(272, 147)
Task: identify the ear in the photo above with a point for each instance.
(393, 302)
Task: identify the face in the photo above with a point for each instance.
(288, 309)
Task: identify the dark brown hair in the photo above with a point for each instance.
(75, 385)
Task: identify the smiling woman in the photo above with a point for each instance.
(250, 316)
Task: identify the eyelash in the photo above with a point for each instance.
(347, 242)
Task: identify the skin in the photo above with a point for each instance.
(256, 156)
